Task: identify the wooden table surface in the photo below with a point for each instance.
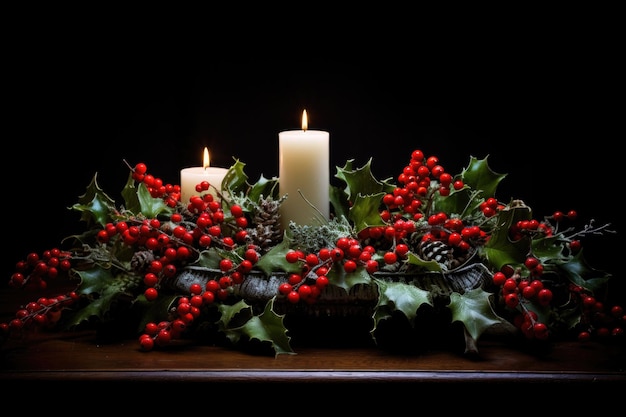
(79, 357)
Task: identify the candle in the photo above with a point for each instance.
(190, 177)
(304, 175)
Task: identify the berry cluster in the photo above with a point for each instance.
(428, 220)
(161, 247)
(526, 285)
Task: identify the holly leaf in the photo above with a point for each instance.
(548, 248)
(339, 277)
(235, 180)
(365, 211)
(129, 193)
(228, 313)
(399, 296)
(149, 206)
(95, 205)
(266, 327)
(275, 260)
(264, 187)
(500, 250)
(431, 265)
(339, 201)
(474, 310)
(479, 176)
(458, 202)
(103, 290)
(359, 181)
(578, 271)
(363, 195)
(209, 258)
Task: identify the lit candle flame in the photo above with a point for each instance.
(206, 161)
(305, 121)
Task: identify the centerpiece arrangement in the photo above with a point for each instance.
(412, 260)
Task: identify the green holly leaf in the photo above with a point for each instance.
(104, 289)
(399, 296)
(129, 193)
(235, 180)
(241, 310)
(458, 202)
(339, 277)
(474, 310)
(364, 193)
(568, 318)
(578, 271)
(359, 181)
(149, 206)
(548, 248)
(431, 265)
(209, 258)
(480, 183)
(266, 327)
(275, 260)
(500, 250)
(339, 201)
(264, 187)
(95, 205)
(365, 211)
(479, 176)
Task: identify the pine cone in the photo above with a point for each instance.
(267, 231)
(445, 255)
(141, 261)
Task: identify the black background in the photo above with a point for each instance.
(546, 111)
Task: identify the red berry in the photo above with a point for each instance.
(292, 256)
(617, 311)
(575, 246)
(390, 258)
(195, 289)
(293, 297)
(531, 262)
(371, 266)
(151, 294)
(540, 331)
(499, 278)
(511, 300)
(544, 296)
(584, 336)
(146, 342)
(349, 266)
(236, 210)
(402, 249)
(141, 168)
(226, 265)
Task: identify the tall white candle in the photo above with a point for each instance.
(190, 177)
(304, 175)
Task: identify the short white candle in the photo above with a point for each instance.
(190, 177)
(304, 175)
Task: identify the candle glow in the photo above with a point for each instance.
(190, 177)
(304, 175)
